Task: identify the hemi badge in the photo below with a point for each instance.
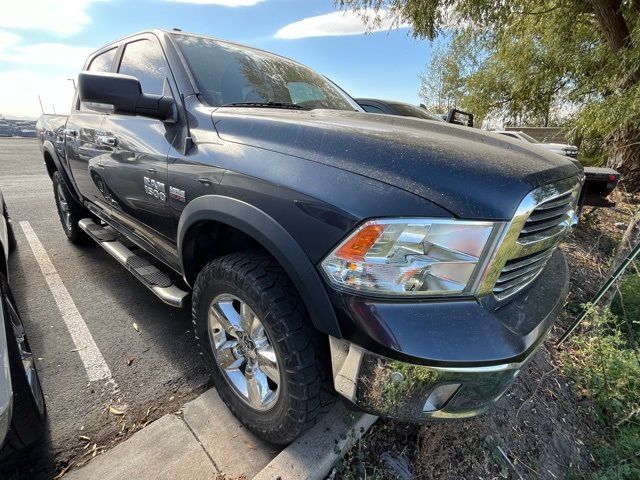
(177, 194)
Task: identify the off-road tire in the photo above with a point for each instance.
(77, 212)
(27, 420)
(302, 352)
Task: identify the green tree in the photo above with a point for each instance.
(535, 61)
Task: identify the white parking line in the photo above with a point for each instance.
(97, 369)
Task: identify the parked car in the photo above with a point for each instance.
(409, 266)
(559, 148)
(599, 181)
(27, 131)
(6, 129)
(402, 109)
(22, 406)
(375, 105)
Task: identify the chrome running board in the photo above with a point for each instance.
(150, 276)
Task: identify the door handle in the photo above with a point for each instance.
(68, 132)
(151, 170)
(106, 140)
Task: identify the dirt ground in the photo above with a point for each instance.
(537, 429)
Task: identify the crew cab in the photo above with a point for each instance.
(408, 266)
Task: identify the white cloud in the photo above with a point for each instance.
(38, 54)
(20, 90)
(39, 69)
(335, 24)
(224, 3)
(7, 39)
(62, 17)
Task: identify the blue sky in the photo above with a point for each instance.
(44, 42)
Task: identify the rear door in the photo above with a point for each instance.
(136, 170)
(83, 138)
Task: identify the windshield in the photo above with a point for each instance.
(228, 74)
(528, 138)
(407, 110)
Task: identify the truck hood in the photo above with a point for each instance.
(471, 173)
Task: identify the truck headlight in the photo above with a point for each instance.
(416, 257)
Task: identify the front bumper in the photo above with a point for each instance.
(458, 372)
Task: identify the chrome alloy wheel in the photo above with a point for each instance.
(243, 351)
(65, 213)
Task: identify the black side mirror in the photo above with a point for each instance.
(125, 94)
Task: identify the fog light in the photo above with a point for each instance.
(396, 377)
(440, 396)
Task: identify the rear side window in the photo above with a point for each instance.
(144, 60)
(103, 62)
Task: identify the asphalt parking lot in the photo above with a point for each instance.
(154, 366)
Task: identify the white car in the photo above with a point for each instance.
(559, 148)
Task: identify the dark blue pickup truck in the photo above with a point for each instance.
(408, 266)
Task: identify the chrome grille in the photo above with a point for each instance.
(548, 216)
(519, 272)
(542, 220)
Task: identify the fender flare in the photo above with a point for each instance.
(276, 240)
(48, 147)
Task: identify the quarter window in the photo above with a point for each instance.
(144, 60)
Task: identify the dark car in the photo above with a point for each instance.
(387, 107)
(409, 266)
(22, 407)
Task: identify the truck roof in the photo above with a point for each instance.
(162, 31)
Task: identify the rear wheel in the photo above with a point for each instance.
(69, 211)
(29, 411)
(268, 363)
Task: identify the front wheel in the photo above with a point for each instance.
(268, 363)
(69, 211)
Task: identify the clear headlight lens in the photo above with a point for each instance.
(409, 257)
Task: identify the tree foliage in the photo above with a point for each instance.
(530, 62)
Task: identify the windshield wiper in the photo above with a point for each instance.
(291, 106)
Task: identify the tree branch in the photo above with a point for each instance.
(612, 22)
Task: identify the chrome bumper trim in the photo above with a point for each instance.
(395, 389)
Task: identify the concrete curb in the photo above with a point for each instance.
(208, 442)
(313, 455)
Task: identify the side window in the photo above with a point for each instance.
(372, 109)
(103, 62)
(144, 60)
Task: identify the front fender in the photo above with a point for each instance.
(276, 240)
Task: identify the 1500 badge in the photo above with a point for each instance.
(155, 189)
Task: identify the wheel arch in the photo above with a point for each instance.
(54, 164)
(257, 226)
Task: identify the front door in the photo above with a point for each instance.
(136, 170)
(84, 138)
